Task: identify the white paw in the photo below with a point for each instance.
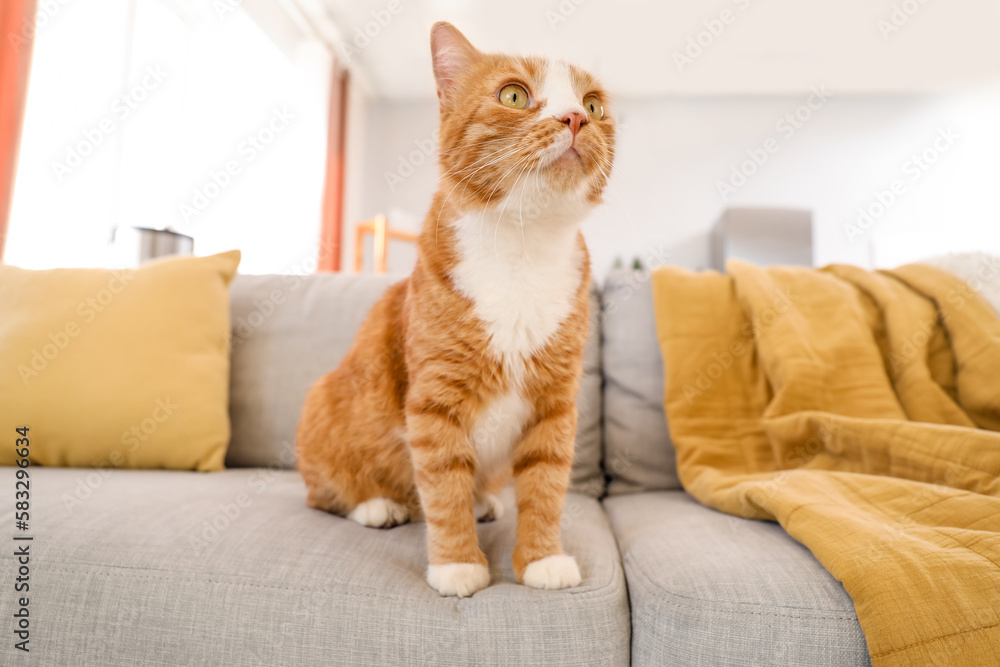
(461, 579)
(552, 572)
(488, 508)
(379, 513)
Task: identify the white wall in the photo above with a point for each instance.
(673, 153)
(200, 122)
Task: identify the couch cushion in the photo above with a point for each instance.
(639, 455)
(288, 331)
(232, 568)
(116, 368)
(707, 588)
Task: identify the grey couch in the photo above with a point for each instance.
(181, 568)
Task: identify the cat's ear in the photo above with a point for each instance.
(452, 54)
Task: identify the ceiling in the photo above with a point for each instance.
(767, 47)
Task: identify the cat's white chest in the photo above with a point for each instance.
(522, 282)
(498, 429)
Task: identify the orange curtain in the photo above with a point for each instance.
(17, 30)
(331, 230)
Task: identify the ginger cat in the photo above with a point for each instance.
(466, 373)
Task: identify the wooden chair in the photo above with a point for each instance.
(379, 228)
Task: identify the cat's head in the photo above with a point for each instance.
(513, 125)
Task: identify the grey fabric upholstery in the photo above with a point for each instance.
(177, 568)
(707, 588)
(288, 331)
(638, 452)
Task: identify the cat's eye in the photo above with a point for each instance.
(513, 96)
(592, 103)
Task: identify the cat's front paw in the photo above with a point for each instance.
(380, 513)
(552, 572)
(461, 579)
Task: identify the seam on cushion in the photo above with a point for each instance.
(760, 613)
(619, 566)
(589, 595)
(650, 584)
(936, 639)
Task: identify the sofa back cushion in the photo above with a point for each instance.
(288, 331)
(638, 452)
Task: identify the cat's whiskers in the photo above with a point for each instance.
(507, 127)
(491, 160)
(501, 179)
(520, 214)
(493, 191)
(506, 154)
(480, 143)
(479, 190)
(507, 200)
(437, 223)
(485, 157)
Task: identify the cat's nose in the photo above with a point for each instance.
(575, 120)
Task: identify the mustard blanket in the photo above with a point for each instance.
(860, 410)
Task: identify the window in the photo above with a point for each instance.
(181, 115)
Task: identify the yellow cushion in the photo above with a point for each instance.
(118, 368)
